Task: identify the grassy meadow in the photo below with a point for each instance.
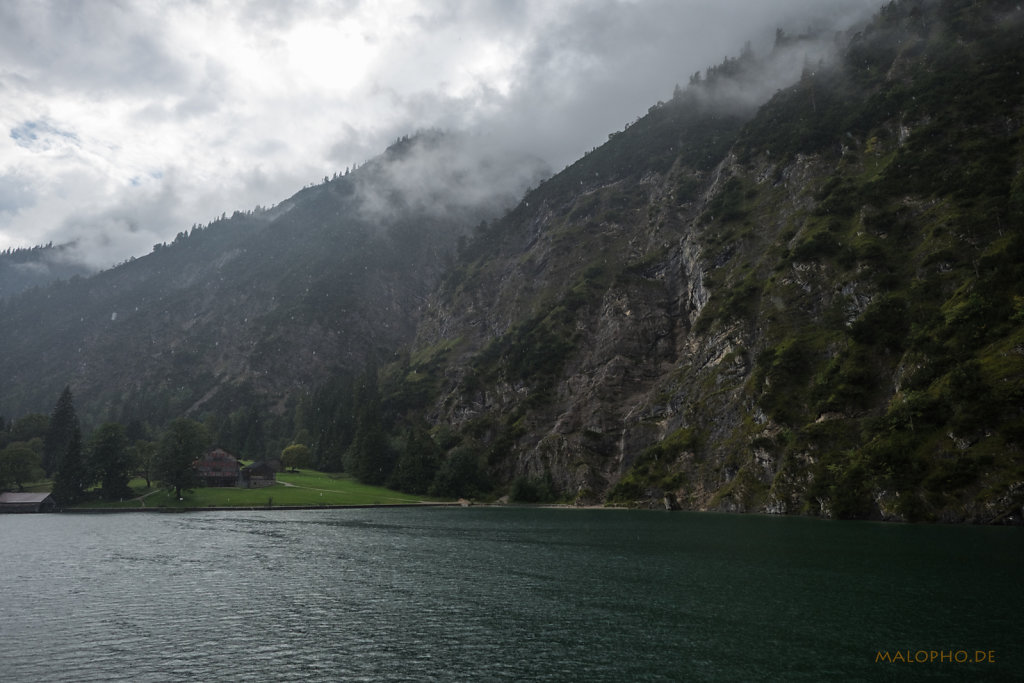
(305, 487)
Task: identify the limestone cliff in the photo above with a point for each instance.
(812, 307)
(808, 302)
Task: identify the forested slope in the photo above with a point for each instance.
(809, 302)
(816, 308)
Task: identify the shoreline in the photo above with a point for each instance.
(1012, 522)
(221, 508)
(355, 506)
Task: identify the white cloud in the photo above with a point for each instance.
(123, 123)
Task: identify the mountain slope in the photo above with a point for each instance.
(256, 308)
(814, 310)
(811, 304)
(22, 269)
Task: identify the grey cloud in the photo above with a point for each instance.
(587, 69)
(16, 193)
(206, 96)
(598, 65)
(490, 16)
(31, 269)
(441, 174)
(274, 15)
(132, 226)
(353, 145)
(85, 46)
(586, 75)
(607, 62)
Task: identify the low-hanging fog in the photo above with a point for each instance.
(127, 123)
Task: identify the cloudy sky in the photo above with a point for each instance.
(129, 120)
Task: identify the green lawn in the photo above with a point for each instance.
(307, 487)
(41, 486)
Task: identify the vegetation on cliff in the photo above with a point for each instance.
(811, 304)
(821, 313)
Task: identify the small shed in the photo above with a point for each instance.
(26, 502)
(259, 474)
(218, 468)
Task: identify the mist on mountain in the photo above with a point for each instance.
(793, 285)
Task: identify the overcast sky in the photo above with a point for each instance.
(129, 120)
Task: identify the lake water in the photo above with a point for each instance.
(494, 594)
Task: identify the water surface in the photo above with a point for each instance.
(486, 594)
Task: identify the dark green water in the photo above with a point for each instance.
(488, 594)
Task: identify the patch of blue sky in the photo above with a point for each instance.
(40, 134)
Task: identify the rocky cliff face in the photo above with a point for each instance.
(772, 317)
(813, 304)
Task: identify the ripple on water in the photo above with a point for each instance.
(427, 594)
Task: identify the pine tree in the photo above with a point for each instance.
(417, 465)
(331, 420)
(71, 479)
(63, 422)
(369, 457)
(255, 444)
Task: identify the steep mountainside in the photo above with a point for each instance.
(252, 309)
(818, 310)
(22, 269)
(811, 304)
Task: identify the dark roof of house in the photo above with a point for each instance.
(217, 462)
(264, 466)
(15, 498)
(218, 454)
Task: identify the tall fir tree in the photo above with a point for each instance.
(331, 420)
(369, 457)
(63, 422)
(417, 463)
(255, 444)
(71, 479)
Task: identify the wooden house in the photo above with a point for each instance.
(218, 468)
(259, 474)
(26, 502)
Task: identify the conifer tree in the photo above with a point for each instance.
(417, 464)
(331, 419)
(255, 444)
(63, 422)
(369, 457)
(71, 479)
